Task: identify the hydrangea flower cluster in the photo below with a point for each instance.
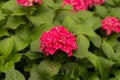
(82, 4)
(28, 2)
(58, 38)
(111, 24)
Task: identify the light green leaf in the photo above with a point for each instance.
(38, 30)
(14, 75)
(15, 57)
(4, 32)
(69, 24)
(34, 73)
(49, 3)
(115, 12)
(35, 45)
(6, 46)
(83, 41)
(22, 38)
(32, 55)
(19, 12)
(1, 15)
(48, 68)
(108, 50)
(10, 5)
(7, 66)
(101, 11)
(14, 22)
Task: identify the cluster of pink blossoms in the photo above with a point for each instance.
(58, 38)
(82, 4)
(28, 2)
(111, 24)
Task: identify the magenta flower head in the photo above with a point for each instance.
(58, 38)
(98, 2)
(76, 4)
(111, 24)
(28, 2)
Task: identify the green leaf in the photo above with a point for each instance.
(10, 5)
(35, 45)
(22, 38)
(14, 75)
(69, 24)
(6, 46)
(38, 30)
(84, 14)
(108, 50)
(33, 55)
(110, 2)
(83, 41)
(34, 73)
(101, 11)
(15, 57)
(49, 3)
(115, 12)
(19, 12)
(4, 32)
(14, 22)
(1, 15)
(93, 22)
(45, 15)
(48, 68)
(7, 66)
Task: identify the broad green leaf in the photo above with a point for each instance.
(15, 57)
(10, 5)
(115, 12)
(101, 11)
(48, 68)
(83, 41)
(69, 24)
(84, 14)
(49, 3)
(6, 46)
(45, 15)
(4, 32)
(14, 75)
(19, 12)
(35, 45)
(7, 66)
(34, 73)
(1, 15)
(107, 64)
(96, 40)
(108, 50)
(93, 22)
(22, 37)
(33, 55)
(14, 22)
(110, 2)
(38, 30)
(117, 74)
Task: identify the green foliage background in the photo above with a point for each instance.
(97, 56)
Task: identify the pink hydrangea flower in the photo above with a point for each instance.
(58, 38)
(77, 4)
(110, 24)
(28, 2)
(82, 4)
(98, 2)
